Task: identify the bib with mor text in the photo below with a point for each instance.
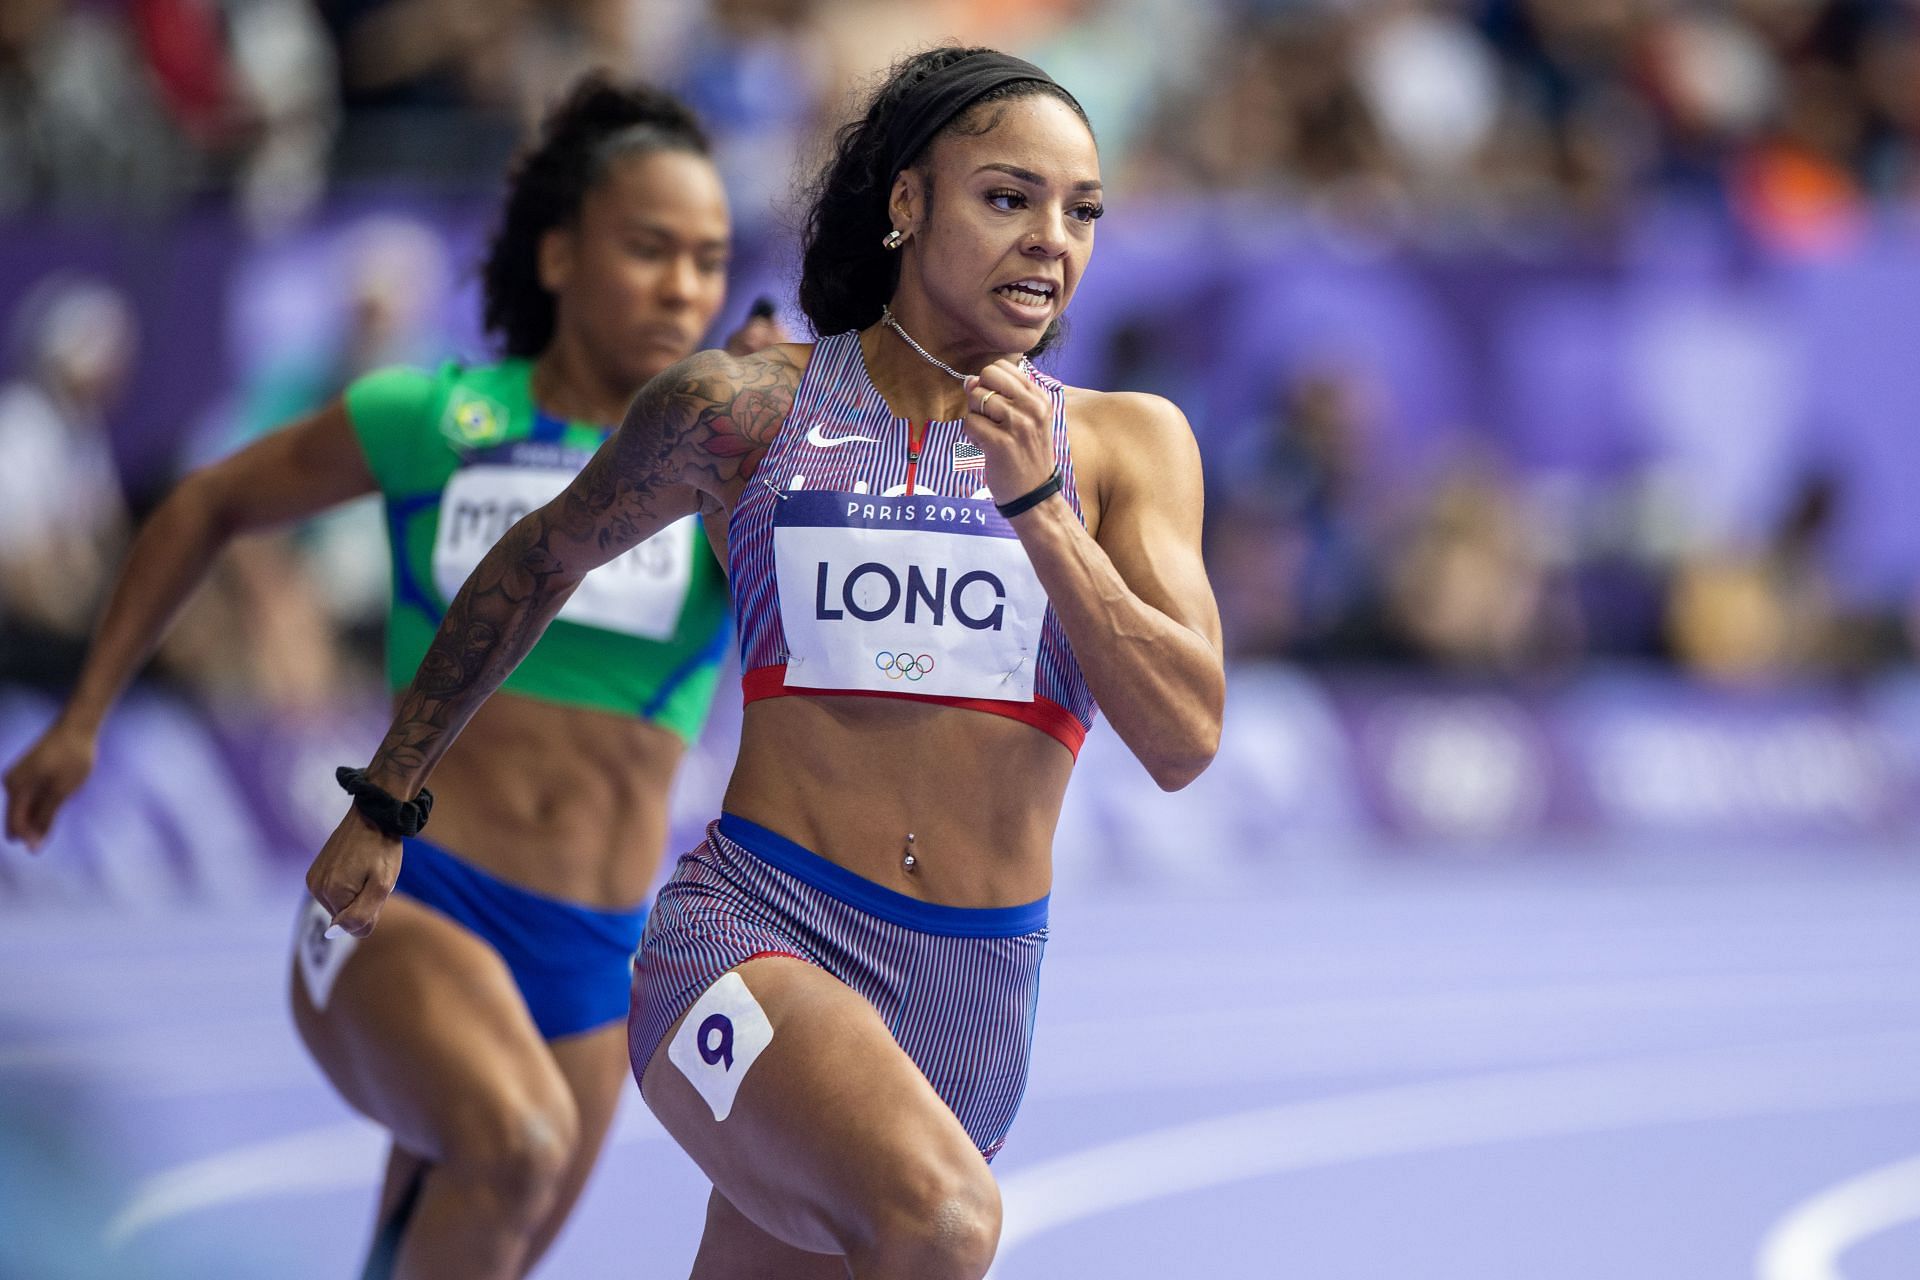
(640, 593)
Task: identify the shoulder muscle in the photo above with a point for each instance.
(1143, 439)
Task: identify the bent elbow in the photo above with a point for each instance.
(1173, 778)
(1175, 770)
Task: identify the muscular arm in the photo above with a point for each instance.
(686, 441)
(306, 468)
(1136, 604)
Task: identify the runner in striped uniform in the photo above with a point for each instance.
(939, 557)
(842, 438)
(484, 1026)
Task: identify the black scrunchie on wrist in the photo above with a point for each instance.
(395, 817)
(1028, 501)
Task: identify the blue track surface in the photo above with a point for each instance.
(1575, 1067)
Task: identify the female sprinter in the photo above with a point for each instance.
(939, 559)
(484, 1025)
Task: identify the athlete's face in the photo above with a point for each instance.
(999, 248)
(640, 275)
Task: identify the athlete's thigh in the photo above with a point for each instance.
(829, 1120)
(594, 1064)
(424, 1029)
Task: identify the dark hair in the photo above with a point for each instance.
(846, 274)
(598, 122)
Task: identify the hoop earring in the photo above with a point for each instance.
(894, 238)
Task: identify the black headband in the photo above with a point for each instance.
(930, 105)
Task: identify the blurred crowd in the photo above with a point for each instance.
(1426, 123)
(292, 620)
(1481, 568)
(1401, 112)
(1486, 111)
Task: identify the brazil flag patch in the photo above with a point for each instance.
(474, 421)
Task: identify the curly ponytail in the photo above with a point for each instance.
(598, 122)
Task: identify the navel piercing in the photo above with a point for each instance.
(907, 859)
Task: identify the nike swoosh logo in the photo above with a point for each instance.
(816, 436)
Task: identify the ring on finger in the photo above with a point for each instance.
(983, 400)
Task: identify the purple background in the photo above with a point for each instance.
(1743, 369)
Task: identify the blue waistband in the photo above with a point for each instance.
(434, 869)
(857, 891)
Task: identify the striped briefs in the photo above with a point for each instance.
(956, 986)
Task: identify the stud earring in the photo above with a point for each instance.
(894, 238)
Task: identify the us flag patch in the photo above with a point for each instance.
(968, 456)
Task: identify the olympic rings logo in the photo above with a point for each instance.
(909, 666)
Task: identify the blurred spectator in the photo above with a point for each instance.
(133, 109)
(258, 635)
(1433, 84)
(396, 275)
(1290, 538)
(441, 90)
(1798, 188)
(427, 87)
(63, 518)
(1771, 615)
(80, 124)
(1470, 586)
(307, 599)
(1890, 82)
(368, 296)
(759, 74)
(283, 74)
(1282, 113)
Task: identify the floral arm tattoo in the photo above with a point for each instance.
(690, 439)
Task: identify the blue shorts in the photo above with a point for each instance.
(956, 986)
(573, 964)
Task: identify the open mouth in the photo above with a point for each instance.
(1028, 293)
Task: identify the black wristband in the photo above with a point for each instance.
(1028, 501)
(396, 817)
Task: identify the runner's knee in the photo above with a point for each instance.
(518, 1151)
(940, 1220)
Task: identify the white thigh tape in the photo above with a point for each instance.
(320, 957)
(718, 1041)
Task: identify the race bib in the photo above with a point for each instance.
(320, 958)
(919, 594)
(639, 594)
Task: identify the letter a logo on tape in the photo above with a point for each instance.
(718, 1041)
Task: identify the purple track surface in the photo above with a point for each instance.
(1568, 1065)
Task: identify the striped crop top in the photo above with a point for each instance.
(866, 558)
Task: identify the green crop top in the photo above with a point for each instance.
(460, 454)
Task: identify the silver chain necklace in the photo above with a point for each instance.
(886, 318)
